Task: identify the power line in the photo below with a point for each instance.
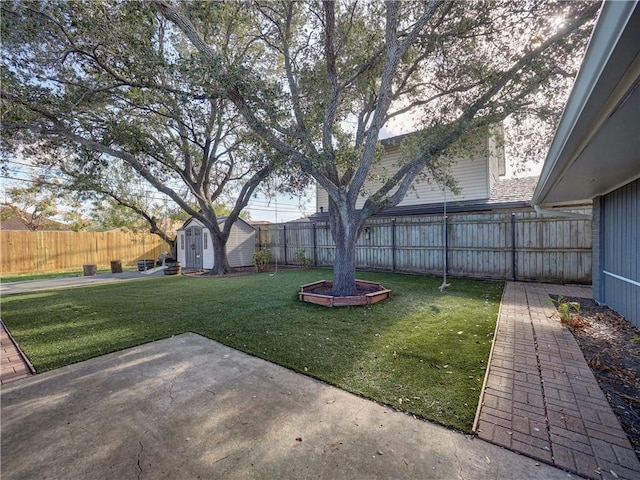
(261, 203)
(23, 164)
(29, 180)
(250, 207)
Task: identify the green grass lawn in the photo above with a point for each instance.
(421, 351)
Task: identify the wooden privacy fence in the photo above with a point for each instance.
(48, 251)
(521, 245)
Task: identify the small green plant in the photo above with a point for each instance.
(261, 260)
(302, 259)
(567, 311)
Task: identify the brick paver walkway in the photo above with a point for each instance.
(12, 364)
(541, 398)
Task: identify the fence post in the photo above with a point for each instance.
(284, 235)
(315, 246)
(393, 245)
(513, 246)
(446, 244)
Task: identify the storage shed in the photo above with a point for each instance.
(195, 248)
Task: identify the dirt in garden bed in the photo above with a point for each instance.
(611, 346)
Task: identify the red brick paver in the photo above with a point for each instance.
(541, 398)
(13, 365)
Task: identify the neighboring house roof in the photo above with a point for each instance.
(508, 193)
(300, 220)
(596, 147)
(13, 223)
(508, 190)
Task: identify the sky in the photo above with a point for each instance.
(282, 208)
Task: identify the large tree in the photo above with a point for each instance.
(347, 69)
(96, 84)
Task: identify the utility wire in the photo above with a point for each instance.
(151, 197)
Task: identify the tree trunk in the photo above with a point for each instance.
(345, 231)
(220, 260)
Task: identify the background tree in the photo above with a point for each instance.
(34, 205)
(38, 204)
(107, 84)
(349, 69)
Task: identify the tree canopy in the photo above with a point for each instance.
(346, 70)
(207, 95)
(115, 96)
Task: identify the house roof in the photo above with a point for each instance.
(13, 223)
(596, 147)
(508, 193)
(507, 190)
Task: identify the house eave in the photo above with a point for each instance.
(596, 147)
(438, 209)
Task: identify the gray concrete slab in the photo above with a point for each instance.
(27, 286)
(188, 407)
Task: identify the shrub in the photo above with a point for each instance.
(261, 260)
(302, 259)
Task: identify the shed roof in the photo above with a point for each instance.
(220, 220)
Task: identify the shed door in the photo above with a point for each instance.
(193, 241)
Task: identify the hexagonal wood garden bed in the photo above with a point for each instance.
(320, 294)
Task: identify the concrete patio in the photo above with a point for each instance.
(187, 407)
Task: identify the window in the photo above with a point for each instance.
(182, 241)
(205, 240)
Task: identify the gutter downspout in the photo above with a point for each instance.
(561, 213)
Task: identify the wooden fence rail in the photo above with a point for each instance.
(49, 251)
(521, 245)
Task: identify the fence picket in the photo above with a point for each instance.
(49, 251)
(555, 249)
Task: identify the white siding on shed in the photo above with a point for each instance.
(207, 250)
(240, 245)
(180, 248)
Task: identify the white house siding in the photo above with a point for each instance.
(471, 174)
(241, 244)
(495, 147)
